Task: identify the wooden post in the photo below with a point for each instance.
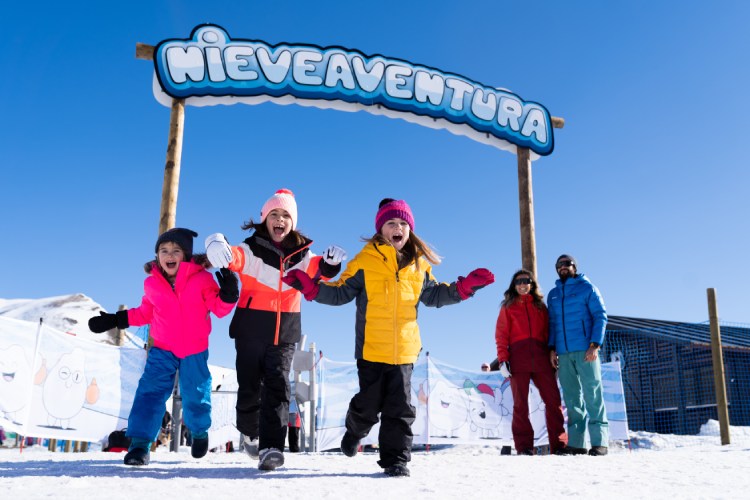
(526, 204)
(168, 212)
(121, 333)
(171, 184)
(312, 417)
(718, 364)
(526, 211)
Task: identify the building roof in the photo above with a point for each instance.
(731, 335)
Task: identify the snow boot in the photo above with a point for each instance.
(199, 448)
(570, 450)
(598, 451)
(250, 446)
(137, 456)
(397, 470)
(349, 445)
(270, 459)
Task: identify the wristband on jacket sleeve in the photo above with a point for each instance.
(594, 344)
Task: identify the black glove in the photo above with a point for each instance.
(228, 290)
(107, 321)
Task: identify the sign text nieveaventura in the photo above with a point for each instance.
(210, 68)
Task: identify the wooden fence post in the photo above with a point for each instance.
(720, 387)
(167, 215)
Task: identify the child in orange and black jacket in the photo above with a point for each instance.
(266, 324)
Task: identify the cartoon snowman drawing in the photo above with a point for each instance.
(65, 389)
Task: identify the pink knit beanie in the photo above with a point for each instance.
(284, 199)
(391, 209)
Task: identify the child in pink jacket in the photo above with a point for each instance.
(178, 296)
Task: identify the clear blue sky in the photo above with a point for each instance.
(647, 187)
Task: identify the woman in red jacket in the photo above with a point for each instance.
(521, 335)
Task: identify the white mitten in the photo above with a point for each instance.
(218, 251)
(505, 369)
(334, 255)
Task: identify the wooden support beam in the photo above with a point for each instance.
(143, 51)
(526, 211)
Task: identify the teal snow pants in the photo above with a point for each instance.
(581, 383)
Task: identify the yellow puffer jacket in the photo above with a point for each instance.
(387, 300)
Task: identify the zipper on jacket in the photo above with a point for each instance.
(396, 296)
(565, 333)
(531, 336)
(282, 261)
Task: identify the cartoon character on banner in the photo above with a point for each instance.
(64, 388)
(447, 407)
(485, 409)
(15, 374)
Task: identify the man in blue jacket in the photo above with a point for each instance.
(577, 319)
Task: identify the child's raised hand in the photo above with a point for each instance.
(218, 251)
(334, 255)
(299, 280)
(478, 278)
(106, 321)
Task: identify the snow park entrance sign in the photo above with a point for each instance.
(211, 68)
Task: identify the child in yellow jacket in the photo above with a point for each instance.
(388, 279)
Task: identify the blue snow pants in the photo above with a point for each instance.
(155, 387)
(581, 383)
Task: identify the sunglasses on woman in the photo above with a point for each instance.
(522, 281)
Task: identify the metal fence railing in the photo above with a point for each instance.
(668, 376)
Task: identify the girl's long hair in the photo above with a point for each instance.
(414, 248)
(511, 294)
(292, 240)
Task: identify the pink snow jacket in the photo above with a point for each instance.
(180, 319)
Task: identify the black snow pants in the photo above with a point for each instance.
(384, 389)
(263, 390)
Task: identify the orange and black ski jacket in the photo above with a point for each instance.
(268, 308)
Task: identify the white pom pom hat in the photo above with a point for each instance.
(284, 199)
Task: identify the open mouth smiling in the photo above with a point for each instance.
(278, 230)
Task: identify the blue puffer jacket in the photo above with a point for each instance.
(576, 315)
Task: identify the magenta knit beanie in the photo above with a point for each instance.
(391, 209)
(284, 199)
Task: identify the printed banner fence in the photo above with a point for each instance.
(454, 406)
(55, 385)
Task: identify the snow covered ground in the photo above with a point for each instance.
(655, 466)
